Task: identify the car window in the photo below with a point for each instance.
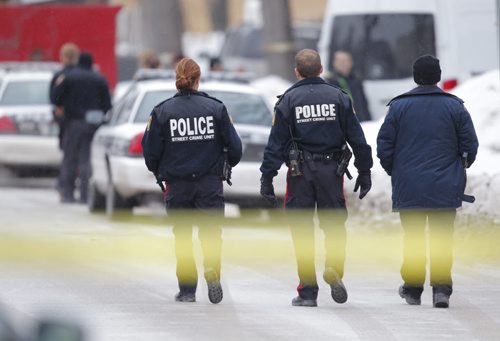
(124, 109)
(149, 101)
(247, 41)
(29, 92)
(384, 45)
(244, 42)
(243, 108)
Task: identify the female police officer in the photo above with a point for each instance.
(184, 146)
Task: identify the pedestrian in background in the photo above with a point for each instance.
(148, 60)
(425, 143)
(216, 65)
(184, 146)
(343, 77)
(313, 120)
(84, 97)
(68, 56)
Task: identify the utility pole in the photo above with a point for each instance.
(278, 41)
(162, 25)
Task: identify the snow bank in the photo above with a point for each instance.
(482, 98)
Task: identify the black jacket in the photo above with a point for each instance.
(57, 79)
(420, 144)
(320, 117)
(354, 87)
(186, 135)
(82, 90)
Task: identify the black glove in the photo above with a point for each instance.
(364, 180)
(267, 190)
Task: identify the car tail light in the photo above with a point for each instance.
(449, 84)
(135, 147)
(7, 125)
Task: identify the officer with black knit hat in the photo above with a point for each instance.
(426, 70)
(425, 143)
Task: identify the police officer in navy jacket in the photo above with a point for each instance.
(424, 144)
(183, 146)
(316, 119)
(81, 93)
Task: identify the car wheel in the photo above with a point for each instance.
(96, 200)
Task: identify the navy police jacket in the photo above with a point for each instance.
(58, 77)
(321, 119)
(186, 135)
(80, 91)
(420, 145)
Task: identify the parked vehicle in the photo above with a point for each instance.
(385, 37)
(243, 48)
(120, 179)
(28, 133)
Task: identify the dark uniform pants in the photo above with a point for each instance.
(413, 270)
(76, 142)
(319, 187)
(196, 202)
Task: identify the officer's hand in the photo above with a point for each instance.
(59, 111)
(267, 190)
(364, 180)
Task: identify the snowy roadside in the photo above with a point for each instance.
(482, 98)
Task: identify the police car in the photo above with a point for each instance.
(28, 133)
(120, 179)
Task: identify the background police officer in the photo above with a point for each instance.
(317, 119)
(84, 97)
(420, 144)
(183, 146)
(68, 56)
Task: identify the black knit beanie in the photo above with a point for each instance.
(426, 70)
(85, 61)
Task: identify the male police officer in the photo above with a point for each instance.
(312, 122)
(68, 56)
(84, 96)
(424, 144)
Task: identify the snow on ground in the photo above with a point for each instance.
(482, 98)
(117, 280)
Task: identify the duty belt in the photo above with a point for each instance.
(328, 157)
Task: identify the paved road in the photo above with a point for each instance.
(117, 279)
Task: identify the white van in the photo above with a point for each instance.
(386, 36)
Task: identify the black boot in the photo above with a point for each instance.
(411, 294)
(339, 292)
(440, 300)
(441, 296)
(215, 293)
(302, 302)
(185, 297)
